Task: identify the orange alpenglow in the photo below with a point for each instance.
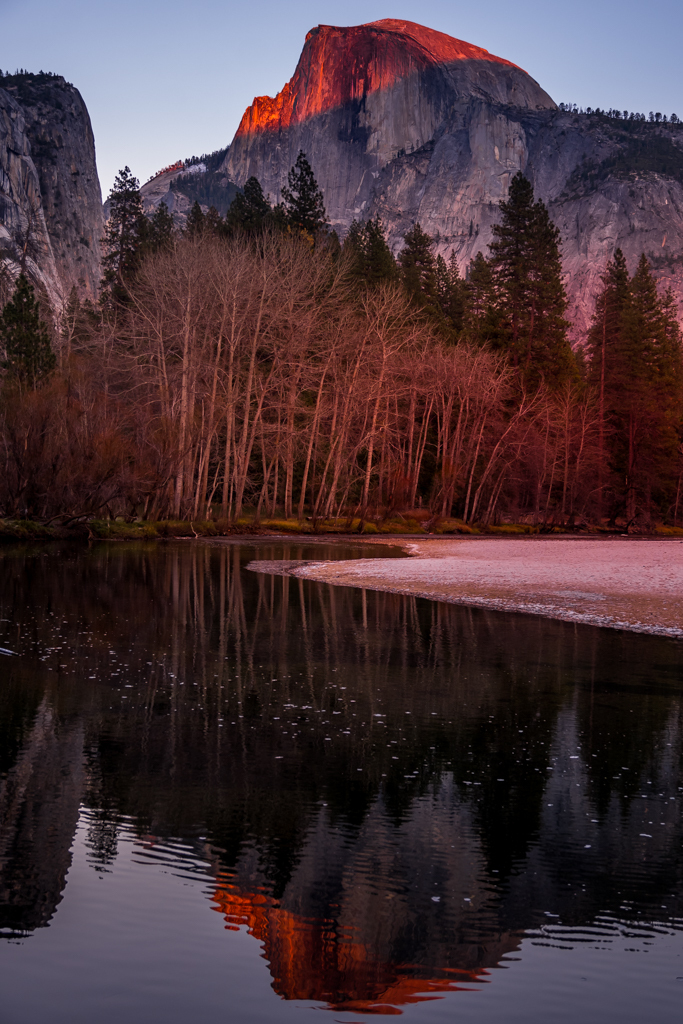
(339, 65)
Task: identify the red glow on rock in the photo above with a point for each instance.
(339, 65)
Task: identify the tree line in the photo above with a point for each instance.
(254, 364)
(621, 115)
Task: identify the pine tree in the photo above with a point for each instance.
(214, 223)
(418, 269)
(636, 367)
(648, 400)
(303, 200)
(28, 353)
(196, 221)
(370, 257)
(525, 259)
(249, 211)
(450, 290)
(160, 230)
(604, 345)
(481, 317)
(124, 235)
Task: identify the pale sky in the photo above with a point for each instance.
(166, 80)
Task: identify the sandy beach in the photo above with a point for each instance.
(622, 583)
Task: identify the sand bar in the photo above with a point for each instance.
(634, 584)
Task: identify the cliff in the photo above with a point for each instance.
(409, 124)
(50, 199)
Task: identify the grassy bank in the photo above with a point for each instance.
(12, 530)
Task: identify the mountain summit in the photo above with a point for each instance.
(364, 96)
(406, 123)
(342, 66)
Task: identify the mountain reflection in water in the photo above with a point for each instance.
(388, 793)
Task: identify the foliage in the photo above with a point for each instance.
(159, 230)
(637, 369)
(246, 374)
(28, 353)
(124, 234)
(370, 258)
(208, 188)
(303, 200)
(652, 154)
(249, 211)
(527, 269)
(418, 268)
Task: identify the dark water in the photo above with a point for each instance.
(232, 796)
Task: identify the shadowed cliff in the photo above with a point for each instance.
(51, 218)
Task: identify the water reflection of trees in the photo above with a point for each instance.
(343, 750)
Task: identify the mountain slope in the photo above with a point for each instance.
(410, 124)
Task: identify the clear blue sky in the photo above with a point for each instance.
(164, 80)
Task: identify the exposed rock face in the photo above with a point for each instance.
(49, 187)
(407, 123)
(364, 97)
(158, 190)
(23, 230)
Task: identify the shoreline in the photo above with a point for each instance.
(619, 583)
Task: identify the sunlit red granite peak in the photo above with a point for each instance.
(440, 47)
(342, 65)
(401, 122)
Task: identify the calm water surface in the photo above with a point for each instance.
(233, 796)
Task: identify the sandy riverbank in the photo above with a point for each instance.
(622, 583)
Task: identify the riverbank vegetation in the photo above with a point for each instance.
(251, 369)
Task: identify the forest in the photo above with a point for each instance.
(251, 367)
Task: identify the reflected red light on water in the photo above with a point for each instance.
(312, 959)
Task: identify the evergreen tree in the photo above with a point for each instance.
(481, 317)
(160, 230)
(526, 264)
(647, 404)
(303, 200)
(371, 260)
(604, 345)
(450, 290)
(249, 210)
(196, 221)
(124, 235)
(28, 354)
(637, 369)
(214, 223)
(418, 269)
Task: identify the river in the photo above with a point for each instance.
(230, 794)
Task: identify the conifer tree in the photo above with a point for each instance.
(213, 222)
(303, 200)
(525, 259)
(648, 400)
(637, 369)
(249, 210)
(196, 221)
(24, 337)
(370, 256)
(124, 234)
(418, 268)
(450, 290)
(481, 317)
(604, 345)
(160, 229)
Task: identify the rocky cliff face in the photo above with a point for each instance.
(410, 124)
(50, 200)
